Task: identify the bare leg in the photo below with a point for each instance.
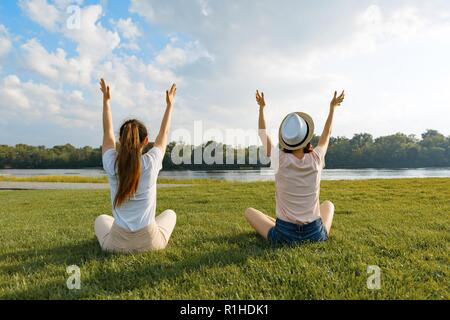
(327, 214)
(166, 222)
(102, 227)
(259, 221)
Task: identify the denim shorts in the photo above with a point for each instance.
(287, 232)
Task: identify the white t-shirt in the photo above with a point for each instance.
(139, 211)
(297, 185)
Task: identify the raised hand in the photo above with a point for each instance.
(105, 90)
(170, 94)
(260, 99)
(109, 141)
(336, 102)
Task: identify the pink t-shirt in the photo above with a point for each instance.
(297, 185)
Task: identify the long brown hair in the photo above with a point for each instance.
(128, 162)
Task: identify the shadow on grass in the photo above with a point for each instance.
(236, 250)
(34, 260)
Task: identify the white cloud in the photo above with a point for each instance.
(31, 101)
(375, 28)
(50, 15)
(299, 53)
(93, 43)
(37, 59)
(205, 8)
(55, 66)
(41, 12)
(5, 41)
(390, 58)
(143, 8)
(134, 83)
(128, 29)
(173, 56)
(64, 4)
(93, 40)
(11, 94)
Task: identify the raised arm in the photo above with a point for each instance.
(265, 139)
(109, 141)
(326, 134)
(161, 139)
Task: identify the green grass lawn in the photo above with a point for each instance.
(402, 226)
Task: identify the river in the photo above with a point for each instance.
(253, 175)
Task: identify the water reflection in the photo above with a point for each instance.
(253, 175)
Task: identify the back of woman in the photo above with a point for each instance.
(299, 215)
(297, 186)
(132, 176)
(139, 211)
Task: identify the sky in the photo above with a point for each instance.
(390, 56)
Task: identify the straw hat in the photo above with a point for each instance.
(296, 131)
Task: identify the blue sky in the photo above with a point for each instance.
(390, 56)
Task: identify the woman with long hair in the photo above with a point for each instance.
(132, 177)
(300, 216)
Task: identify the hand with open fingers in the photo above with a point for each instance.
(260, 99)
(105, 90)
(337, 100)
(170, 94)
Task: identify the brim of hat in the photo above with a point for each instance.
(310, 123)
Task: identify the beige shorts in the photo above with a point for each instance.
(113, 238)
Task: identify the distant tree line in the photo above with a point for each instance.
(361, 151)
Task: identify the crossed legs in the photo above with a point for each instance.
(327, 214)
(259, 221)
(166, 222)
(263, 223)
(102, 227)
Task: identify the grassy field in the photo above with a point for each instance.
(402, 226)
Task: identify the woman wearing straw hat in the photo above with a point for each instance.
(300, 216)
